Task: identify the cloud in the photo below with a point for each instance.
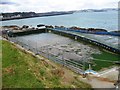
(6, 2)
(56, 5)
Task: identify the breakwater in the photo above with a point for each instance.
(90, 32)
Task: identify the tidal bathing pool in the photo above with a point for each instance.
(58, 46)
(66, 51)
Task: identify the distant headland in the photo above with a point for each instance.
(23, 15)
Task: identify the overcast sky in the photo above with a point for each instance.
(54, 5)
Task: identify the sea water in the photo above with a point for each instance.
(106, 20)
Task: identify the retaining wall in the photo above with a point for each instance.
(28, 32)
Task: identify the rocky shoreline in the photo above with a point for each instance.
(73, 28)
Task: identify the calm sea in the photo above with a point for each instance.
(106, 20)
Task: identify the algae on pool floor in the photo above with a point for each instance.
(104, 60)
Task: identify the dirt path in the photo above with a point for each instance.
(111, 74)
(104, 79)
(97, 83)
(101, 84)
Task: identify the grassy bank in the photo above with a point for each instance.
(23, 70)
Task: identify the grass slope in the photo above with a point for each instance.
(104, 59)
(23, 70)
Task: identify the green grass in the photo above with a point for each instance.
(15, 68)
(23, 70)
(105, 55)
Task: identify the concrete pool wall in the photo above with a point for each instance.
(70, 35)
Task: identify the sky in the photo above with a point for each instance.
(54, 5)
